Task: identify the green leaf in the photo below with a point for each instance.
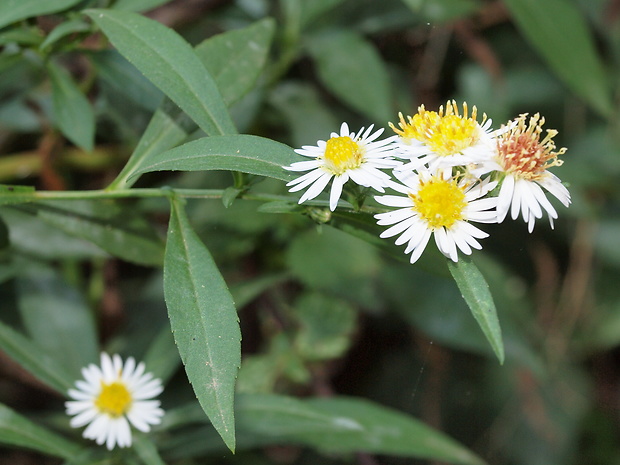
(312, 260)
(63, 30)
(17, 430)
(245, 153)
(126, 79)
(147, 451)
(31, 236)
(54, 314)
(170, 126)
(559, 32)
(120, 231)
(339, 57)
(169, 62)
(442, 10)
(326, 326)
(341, 425)
(34, 360)
(204, 322)
(236, 58)
(16, 194)
(345, 425)
(72, 111)
(475, 291)
(16, 10)
(138, 5)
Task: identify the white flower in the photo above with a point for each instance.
(444, 139)
(112, 396)
(523, 159)
(437, 205)
(347, 155)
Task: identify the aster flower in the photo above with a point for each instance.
(112, 396)
(444, 139)
(523, 159)
(438, 205)
(348, 155)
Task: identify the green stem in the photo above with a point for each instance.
(147, 193)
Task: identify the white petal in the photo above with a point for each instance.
(316, 188)
(504, 199)
(336, 190)
(419, 248)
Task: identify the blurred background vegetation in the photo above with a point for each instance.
(357, 322)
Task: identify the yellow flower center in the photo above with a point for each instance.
(439, 202)
(114, 399)
(522, 153)
(342, 154)
(446, 132)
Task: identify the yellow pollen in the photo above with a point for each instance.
(439, 202)
(523, 153)
(446, 132)
(342, 154)
(114, 399)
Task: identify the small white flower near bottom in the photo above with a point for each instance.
(443, 208)
(346, 156)
(112, 396)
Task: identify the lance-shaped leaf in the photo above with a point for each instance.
(118, 230)
(245, 153)
(17, 430)
(204, 322)
(341, 424)
(475, 291)
(560, 33)
(235, 59)
(73, 113)
(34, 359)
(16, 10)
(336, 425)
(170, 63)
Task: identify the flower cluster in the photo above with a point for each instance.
(449, 170)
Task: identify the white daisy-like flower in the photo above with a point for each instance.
(359, 157)
(437, 205)
(444, 139)
(523, 160)
(111, 397)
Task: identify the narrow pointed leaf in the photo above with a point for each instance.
(204, 322)
(16, 10)
(17, 430)
(235, 59)
(245, 153)
(34, 359)
(138, 5)
(120, 231)
(475, 291)
(338, 56)
(170, 63)
(559, 32)
(336, 425)
(73, 113)
(345, 425)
